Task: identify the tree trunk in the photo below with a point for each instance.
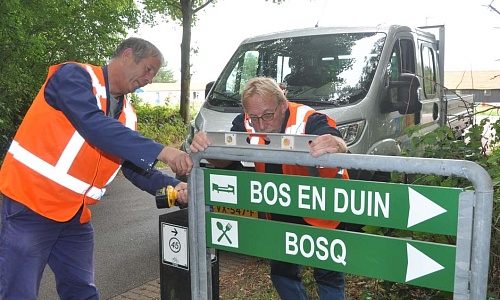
(187, 19)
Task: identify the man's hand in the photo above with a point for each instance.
(200, 142)
(180, 162)
(327, 143)
(182, 193)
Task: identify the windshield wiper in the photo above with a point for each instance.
(228, 97)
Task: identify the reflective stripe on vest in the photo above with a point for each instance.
(299, 126)
(59, 172)
(100, 90)
(296, 125)
(130, 116)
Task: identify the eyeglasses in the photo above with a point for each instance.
(264, 117)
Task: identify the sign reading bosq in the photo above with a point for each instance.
(413, 262)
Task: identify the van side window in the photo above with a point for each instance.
(429, 70)
(402, 61)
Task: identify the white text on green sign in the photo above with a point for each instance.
(412, 262)
(413, 207)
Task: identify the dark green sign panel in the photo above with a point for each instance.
(411, 207)
(399, 260)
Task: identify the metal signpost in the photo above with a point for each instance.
(461, 268)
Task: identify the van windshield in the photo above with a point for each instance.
(319, 70)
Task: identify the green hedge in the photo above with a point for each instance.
(162, 124)
(481, 147)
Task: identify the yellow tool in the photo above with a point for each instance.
(166, 197)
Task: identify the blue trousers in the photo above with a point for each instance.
(288, 283)
(29, 241)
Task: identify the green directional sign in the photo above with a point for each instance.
(399, 260)
(411, 207)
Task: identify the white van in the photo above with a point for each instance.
(373, 81)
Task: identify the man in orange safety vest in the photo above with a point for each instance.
(78, 133)
(266, 110)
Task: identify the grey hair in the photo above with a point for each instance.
(263, 86)
(140, 48)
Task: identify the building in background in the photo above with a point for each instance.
(162, 93)
(484, 85)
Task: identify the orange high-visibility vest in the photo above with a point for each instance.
(49, 166)
(296, 124)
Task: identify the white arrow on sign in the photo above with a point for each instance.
(421, 208)
(419, 264)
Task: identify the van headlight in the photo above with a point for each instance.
(351, 131)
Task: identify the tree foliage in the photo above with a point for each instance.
(477, 145)
(38, 34)
(164, 75)
(183, 12)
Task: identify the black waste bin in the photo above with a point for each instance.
(175, 276)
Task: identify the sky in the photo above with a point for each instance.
(472, 30)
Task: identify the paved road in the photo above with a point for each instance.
(126, 241)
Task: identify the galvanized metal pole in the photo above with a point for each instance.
(201, 280)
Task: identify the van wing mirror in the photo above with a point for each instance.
(208, 87)
(407, 95)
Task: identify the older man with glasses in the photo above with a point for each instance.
(268, 111)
